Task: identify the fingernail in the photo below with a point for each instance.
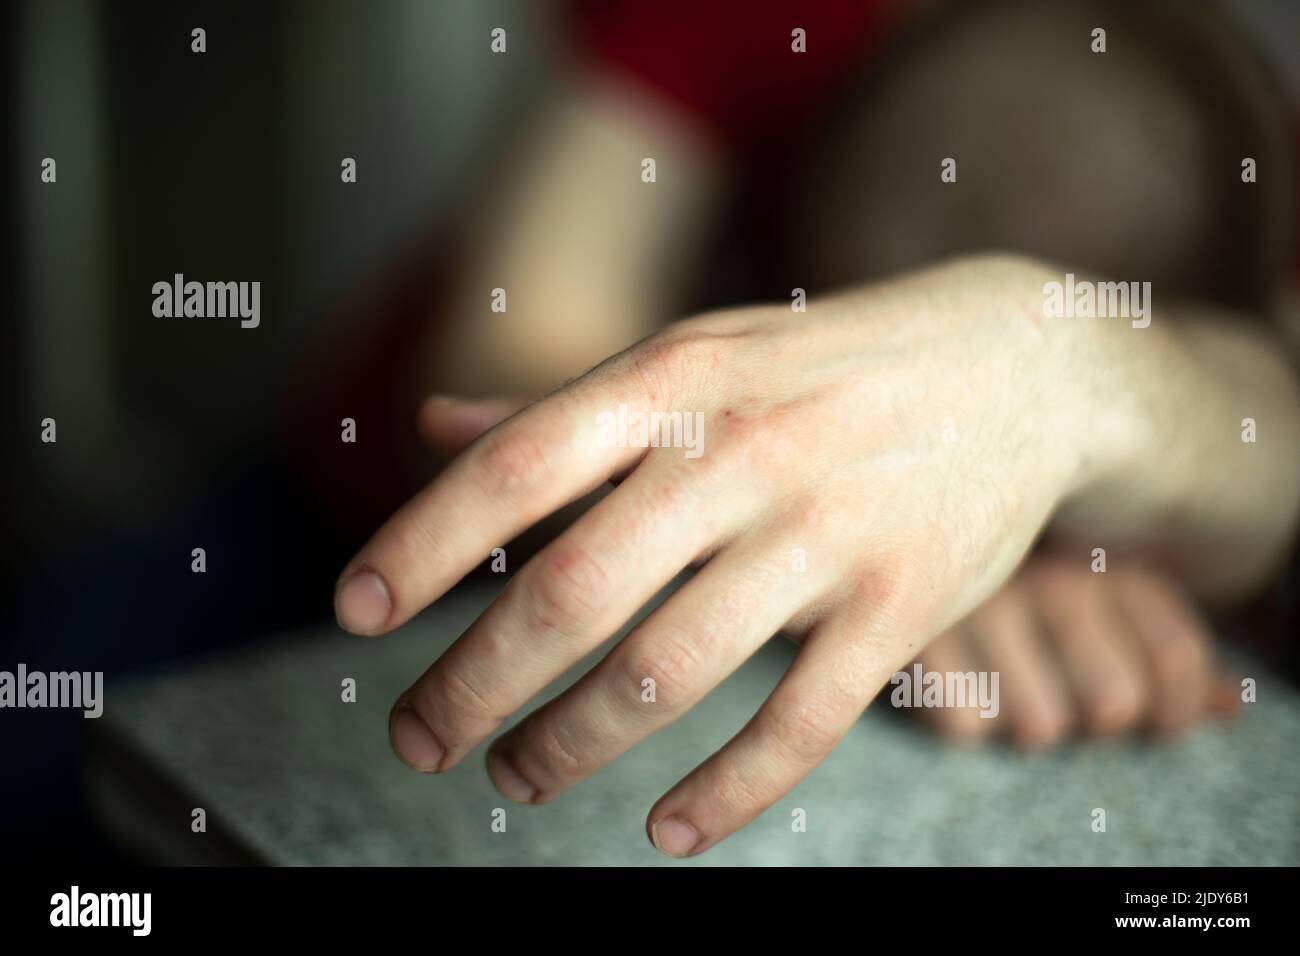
(414, 743)
(508, 780)
(674, 836)
(362, 604)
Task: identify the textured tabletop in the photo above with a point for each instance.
(288, 773)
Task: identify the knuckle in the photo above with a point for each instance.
(566, 587)
(806, 729)
(669, 661)
(1174, 661)
(895, 592)
(1038, 727)
(814, 520)
(1113, 709)
(667, 362)
(450, 693)
(511, 462)
(669, 498)
(553, 751)
(686, 346)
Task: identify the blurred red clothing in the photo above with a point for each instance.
(731, 66)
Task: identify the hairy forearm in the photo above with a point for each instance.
(1196, 424)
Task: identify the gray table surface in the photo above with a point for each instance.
(290, 774)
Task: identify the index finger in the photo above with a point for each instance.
(530, 465)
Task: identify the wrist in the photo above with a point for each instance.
(1098, 427)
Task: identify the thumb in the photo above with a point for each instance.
(447, 425)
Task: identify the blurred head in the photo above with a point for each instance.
(1125, 163)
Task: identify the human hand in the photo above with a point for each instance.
(862, 483)
(1082, 653)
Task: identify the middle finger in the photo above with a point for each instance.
(562, 604)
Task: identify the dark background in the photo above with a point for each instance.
(174, 433)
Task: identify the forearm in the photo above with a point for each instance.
(1176, 474)
(589, 254)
